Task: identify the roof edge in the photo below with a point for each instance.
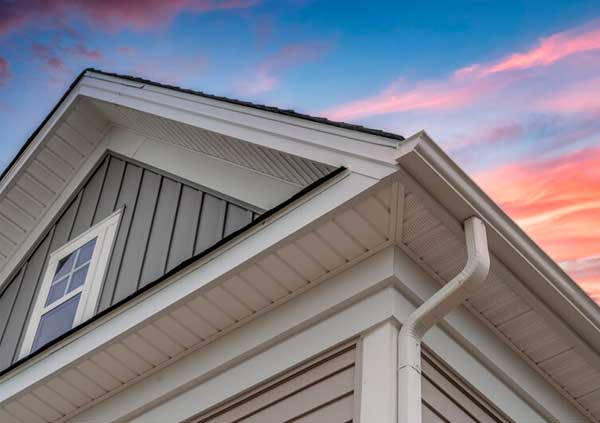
(422, 146)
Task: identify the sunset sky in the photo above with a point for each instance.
(510, 89)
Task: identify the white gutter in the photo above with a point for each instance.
(430, 313)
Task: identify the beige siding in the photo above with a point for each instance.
(319, 391)
(447, 399)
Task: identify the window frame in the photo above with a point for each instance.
(105, 233)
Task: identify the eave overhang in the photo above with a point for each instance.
(529, 300)
(285, 151)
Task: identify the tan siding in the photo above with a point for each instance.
(319, 391)
(448, 399)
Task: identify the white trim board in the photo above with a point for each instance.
(264, 192)
(194, 277)
(344, 307)
(335, 150)
(104, 232)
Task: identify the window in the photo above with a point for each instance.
(71, 285)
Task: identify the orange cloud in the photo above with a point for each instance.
(556, 201)
(470, 83)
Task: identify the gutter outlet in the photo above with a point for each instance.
(433, 311)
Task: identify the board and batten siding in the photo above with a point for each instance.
(164, 221)
(319, 391)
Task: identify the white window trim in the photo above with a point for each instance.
(104, 232)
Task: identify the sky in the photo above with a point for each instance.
(510, 89)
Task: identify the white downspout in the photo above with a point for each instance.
(431, 312)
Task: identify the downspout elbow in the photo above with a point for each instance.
(431, 312)
(472, 276)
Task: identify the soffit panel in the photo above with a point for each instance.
(43, 178)
(428, 239)
(287, 167)
(312, 256)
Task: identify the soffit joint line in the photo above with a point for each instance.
(433, 311)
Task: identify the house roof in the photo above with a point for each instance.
(273, 109)
(531, 277)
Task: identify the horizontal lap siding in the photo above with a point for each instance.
(446, 399)
(320, 391)
(164, 222)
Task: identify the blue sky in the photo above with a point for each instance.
(506, 87)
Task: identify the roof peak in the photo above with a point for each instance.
(273, 109)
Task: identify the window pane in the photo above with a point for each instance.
(85, 252)
(65, 265)
(57, 290)
(78, 278)
(56, 322)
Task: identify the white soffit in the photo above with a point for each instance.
(287, 167)
(74, 135)
(25, 198)
(310, 256)
(391, 212)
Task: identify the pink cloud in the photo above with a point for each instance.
(586, 271)
(579, 97)
(549, 50)
(556, 200)
(5, 73)
(431, 95)
(48, 57)
(266, 74)
(469, 84)
(110, 14)
(84, 52)
(487, 136)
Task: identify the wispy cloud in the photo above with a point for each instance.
(471, 83)
(555, 200)
(80, 50)
(5, 73)
(586, 271)
(580, 97)
(549, 50)
(266, 74)
(110, 15)
(48, 57)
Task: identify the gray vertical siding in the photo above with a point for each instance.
(164, 221)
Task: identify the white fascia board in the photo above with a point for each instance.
(360, 291)
(558, 298)
(365, 158)
(223, 104)
(498, 372)
(356, 302)
(196, 276)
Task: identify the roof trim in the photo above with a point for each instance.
(426, 162)
(258, 221)
(272, 109)
(262, 107)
